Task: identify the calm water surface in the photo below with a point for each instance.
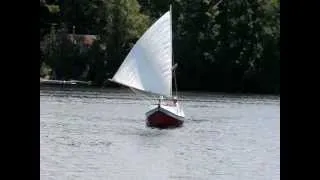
(101, 134)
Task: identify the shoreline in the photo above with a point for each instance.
(96, 87)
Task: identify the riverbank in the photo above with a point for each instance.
(93, 87)
(47, 82)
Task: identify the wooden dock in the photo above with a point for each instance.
(61, 82)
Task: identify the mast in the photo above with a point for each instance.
(174, 71)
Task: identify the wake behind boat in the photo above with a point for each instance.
(149, 68)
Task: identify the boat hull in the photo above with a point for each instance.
(163, 119)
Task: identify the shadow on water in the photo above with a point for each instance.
(152, 133)
(197, 120)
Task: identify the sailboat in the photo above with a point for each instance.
(149, 68)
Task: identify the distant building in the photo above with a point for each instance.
(84, 40)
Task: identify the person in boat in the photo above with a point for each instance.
(175, 100)
(168, 103)
(160, 100)
(172, 102)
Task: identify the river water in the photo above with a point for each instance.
(101, 134)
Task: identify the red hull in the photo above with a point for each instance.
(163, 121)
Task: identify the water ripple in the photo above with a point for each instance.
(101, 134)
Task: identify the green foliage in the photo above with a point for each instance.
(127, 25)
(63, 55)
(230, 46)
(54, 9)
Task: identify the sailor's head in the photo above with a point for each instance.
(175, 99)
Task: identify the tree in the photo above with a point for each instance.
(127, 25)
(231, 47)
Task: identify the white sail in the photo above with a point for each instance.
(148, 66)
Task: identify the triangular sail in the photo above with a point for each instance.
(148, 66)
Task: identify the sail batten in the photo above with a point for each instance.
(148, 66)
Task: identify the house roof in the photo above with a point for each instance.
(86, 39)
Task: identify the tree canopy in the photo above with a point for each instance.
(229, 46)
